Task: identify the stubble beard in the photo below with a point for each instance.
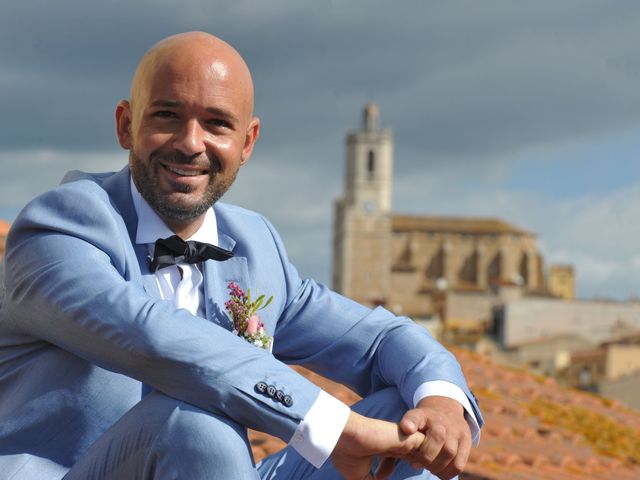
(147, 181)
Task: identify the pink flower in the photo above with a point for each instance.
(242, 310)
(253, 324)
(237, 292)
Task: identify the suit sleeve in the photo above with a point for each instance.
(363, 349)
(68, 281)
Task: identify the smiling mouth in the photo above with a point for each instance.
(185, 173)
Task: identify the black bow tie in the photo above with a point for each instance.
(173, 250)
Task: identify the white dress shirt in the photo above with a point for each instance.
(318, 433)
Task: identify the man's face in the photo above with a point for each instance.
(191, 129)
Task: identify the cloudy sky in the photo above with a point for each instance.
(527, 111)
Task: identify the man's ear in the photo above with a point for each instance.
(253, 132)
(123, 124)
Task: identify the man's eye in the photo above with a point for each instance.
(164, 114)
(218, 122)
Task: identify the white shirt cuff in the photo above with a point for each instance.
(319, 431)
(443, 388)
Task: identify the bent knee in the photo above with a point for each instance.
(207, 442)
(196, 428)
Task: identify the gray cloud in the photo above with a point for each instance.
(465, 85)
(452, 78)
(27, 173)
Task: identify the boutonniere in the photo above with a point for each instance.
(243, 313)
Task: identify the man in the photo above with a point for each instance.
(114, 365)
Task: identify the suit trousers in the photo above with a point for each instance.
(162, 438)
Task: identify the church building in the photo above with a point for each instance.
(425, 266)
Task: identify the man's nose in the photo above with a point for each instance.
(190, 139)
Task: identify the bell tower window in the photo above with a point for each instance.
(371, 165)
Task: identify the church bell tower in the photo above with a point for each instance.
(361, 256)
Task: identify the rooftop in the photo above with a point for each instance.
(401, 223)
(534, 428)
(4, 228)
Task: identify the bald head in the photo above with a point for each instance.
(193, 53)
(188, 126)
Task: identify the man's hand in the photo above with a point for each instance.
(364, 438)
(447, 437)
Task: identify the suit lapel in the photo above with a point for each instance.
(118, 187)
(148, 278)
(216, 277)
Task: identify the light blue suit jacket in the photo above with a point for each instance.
(81, 326)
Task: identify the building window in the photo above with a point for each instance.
(585, 377)
(371, 164)
(524, 268)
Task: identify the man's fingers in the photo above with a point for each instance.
(409, 444)
(447, 443)
(432, 449)
(363, 438)
(443, 453)
(413, 420)
(458, 463)
(440, 455)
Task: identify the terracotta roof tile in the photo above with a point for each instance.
(534, 428)
(4, 228)
(461, 225)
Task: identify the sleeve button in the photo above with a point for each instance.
(261, 387)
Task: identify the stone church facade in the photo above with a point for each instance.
(414, 265)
